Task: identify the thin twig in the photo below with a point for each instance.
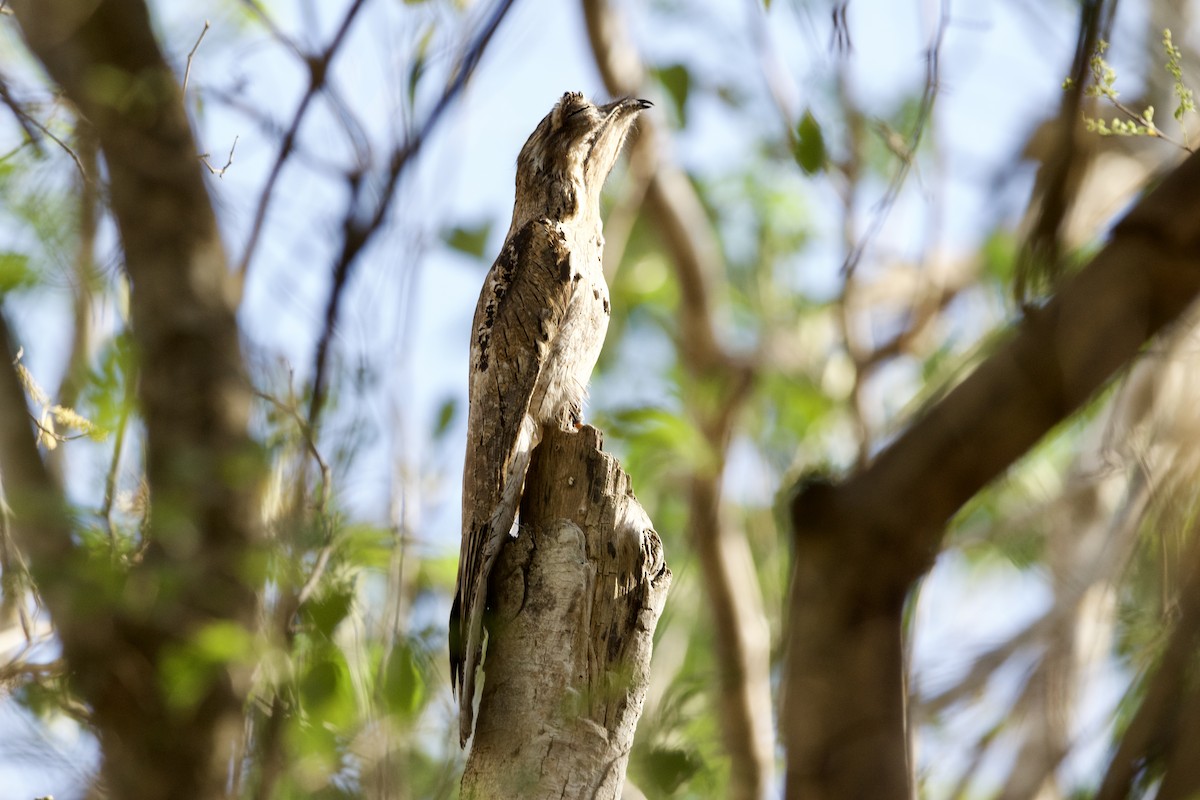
(270, 25)
(220, 173)
(1151, 128)
(187, 71)
(924, 112)
(918, 321)
(318, 571)
(323, 496)
(55, 435)
(839, 34)
(309, 443)
(318, 67)
(326, 167)
(32, 127)
(22, 116)
(18, 667)
(15, 580)
(114, 466)
(355, 233)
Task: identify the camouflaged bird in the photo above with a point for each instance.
(538, 329)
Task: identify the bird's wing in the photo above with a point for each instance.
(516, 320)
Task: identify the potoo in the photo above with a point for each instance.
(538, 329)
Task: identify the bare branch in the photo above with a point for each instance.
(839, 34)
(220, 173)
(682, 221)
(732, 589)
(357, 232)
(318, 69)
(1064, 164)
(33, 127)
(187, 72)
(22, 117)
(270, 25)
(924, 112)
(1057, 359)
(922, 315)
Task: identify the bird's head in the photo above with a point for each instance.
(567, 158)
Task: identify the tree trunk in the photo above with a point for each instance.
(119, 631)
(575, 599)
(862, 544)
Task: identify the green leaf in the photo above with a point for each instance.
(105, 398)
(419, 62)
(366, 546)
(320, 684)
(223, 642)
(468, 240)
(445, 416)
(809, 146)
(669, 768)
(326, 689)
(15, 272)
(327, 611)
(678, 82)
(189, 670)
(404, 684)
(1000, 251)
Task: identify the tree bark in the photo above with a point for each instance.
(862, 544)
(575, 599)
(201, 465)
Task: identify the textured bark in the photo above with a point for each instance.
(862, 544)
(538, 330)
(575, 600)
(201, 465)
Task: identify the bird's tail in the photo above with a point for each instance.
(470, 602)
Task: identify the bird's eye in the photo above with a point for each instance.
(579, 110)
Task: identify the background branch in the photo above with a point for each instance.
(735, 599)
(846, 603)
(360, 225)
(195, 401)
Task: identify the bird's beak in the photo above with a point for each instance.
(627, 104)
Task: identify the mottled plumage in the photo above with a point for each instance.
(538, 329)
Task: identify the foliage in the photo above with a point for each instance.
(346, 667)
(1103, 84)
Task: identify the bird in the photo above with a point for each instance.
(538, 329)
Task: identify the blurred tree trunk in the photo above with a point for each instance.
(119, 630)
(733, 595)
(575, 601)
(862, 544)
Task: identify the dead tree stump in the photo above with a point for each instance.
(575, 599)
